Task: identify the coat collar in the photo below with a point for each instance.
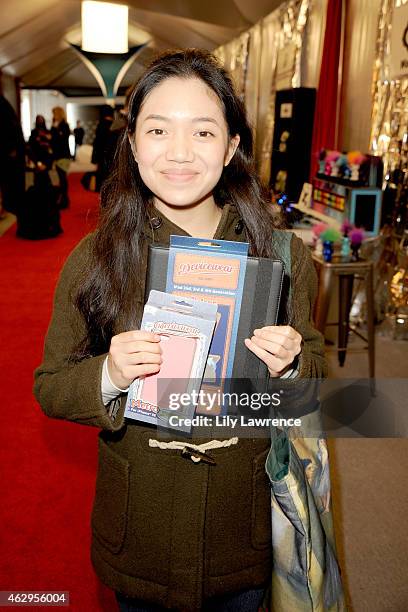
(158, 228)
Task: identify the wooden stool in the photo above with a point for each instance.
(346, 272)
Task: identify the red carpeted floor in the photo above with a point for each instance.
(47, 467)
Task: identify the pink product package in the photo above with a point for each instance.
(178, 356)
(185, 327)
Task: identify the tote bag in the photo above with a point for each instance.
(305, 574)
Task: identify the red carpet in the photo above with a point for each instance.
(47, 466)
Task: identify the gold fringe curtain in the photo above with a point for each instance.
(253, 75)
(240, 58)
(389, 121)
(234, 57)
(378, 121)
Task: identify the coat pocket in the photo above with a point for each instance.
(110, 509)
(261, 500)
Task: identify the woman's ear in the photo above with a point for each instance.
(232, 147)
(133, 146)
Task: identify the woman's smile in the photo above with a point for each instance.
(175, 175)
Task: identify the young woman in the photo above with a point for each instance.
(170, 533)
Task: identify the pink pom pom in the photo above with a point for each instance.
(356, 236)
(346, 227)
(319, 228)
(332, 156)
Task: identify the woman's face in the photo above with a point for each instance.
(181, 142)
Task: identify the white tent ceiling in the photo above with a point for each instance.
(34, 35)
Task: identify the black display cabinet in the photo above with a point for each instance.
(292, 140)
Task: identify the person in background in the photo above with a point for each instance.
(40, 143)
(116, 132)
(12, 158)
(60, 133)
(39, 215)
(101, 145)
(79, 134)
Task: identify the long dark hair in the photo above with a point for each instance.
(126, 203)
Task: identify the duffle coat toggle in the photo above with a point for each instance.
(195, 452)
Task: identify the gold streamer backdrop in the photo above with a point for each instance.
(379, 122)
(389, 123)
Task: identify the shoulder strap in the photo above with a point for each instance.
(282, 248)
(281, 243)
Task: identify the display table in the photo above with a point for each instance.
(345, 272)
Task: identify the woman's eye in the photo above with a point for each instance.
(156, 131)
(205, 134)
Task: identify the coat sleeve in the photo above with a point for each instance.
(312, 362)
(67, 390)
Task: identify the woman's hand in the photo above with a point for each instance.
(133, 354)
(277, 346)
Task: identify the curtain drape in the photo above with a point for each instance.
(324, 134)
(359, 55)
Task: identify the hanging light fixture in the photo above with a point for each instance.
(104, 27)
(105, 50)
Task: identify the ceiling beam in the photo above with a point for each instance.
(29, 22)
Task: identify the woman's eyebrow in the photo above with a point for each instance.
(194, 120)
(156, 117)
(208, 119)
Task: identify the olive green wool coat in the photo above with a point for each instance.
(165, 529)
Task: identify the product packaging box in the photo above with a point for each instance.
(247, 293)
(214, 271)
(186, 328)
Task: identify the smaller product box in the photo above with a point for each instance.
(185, 327)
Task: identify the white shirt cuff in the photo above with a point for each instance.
(108, 389)
(292, 373)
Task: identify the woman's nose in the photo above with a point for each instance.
(180, 149)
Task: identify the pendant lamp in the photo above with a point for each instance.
(104, 27)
